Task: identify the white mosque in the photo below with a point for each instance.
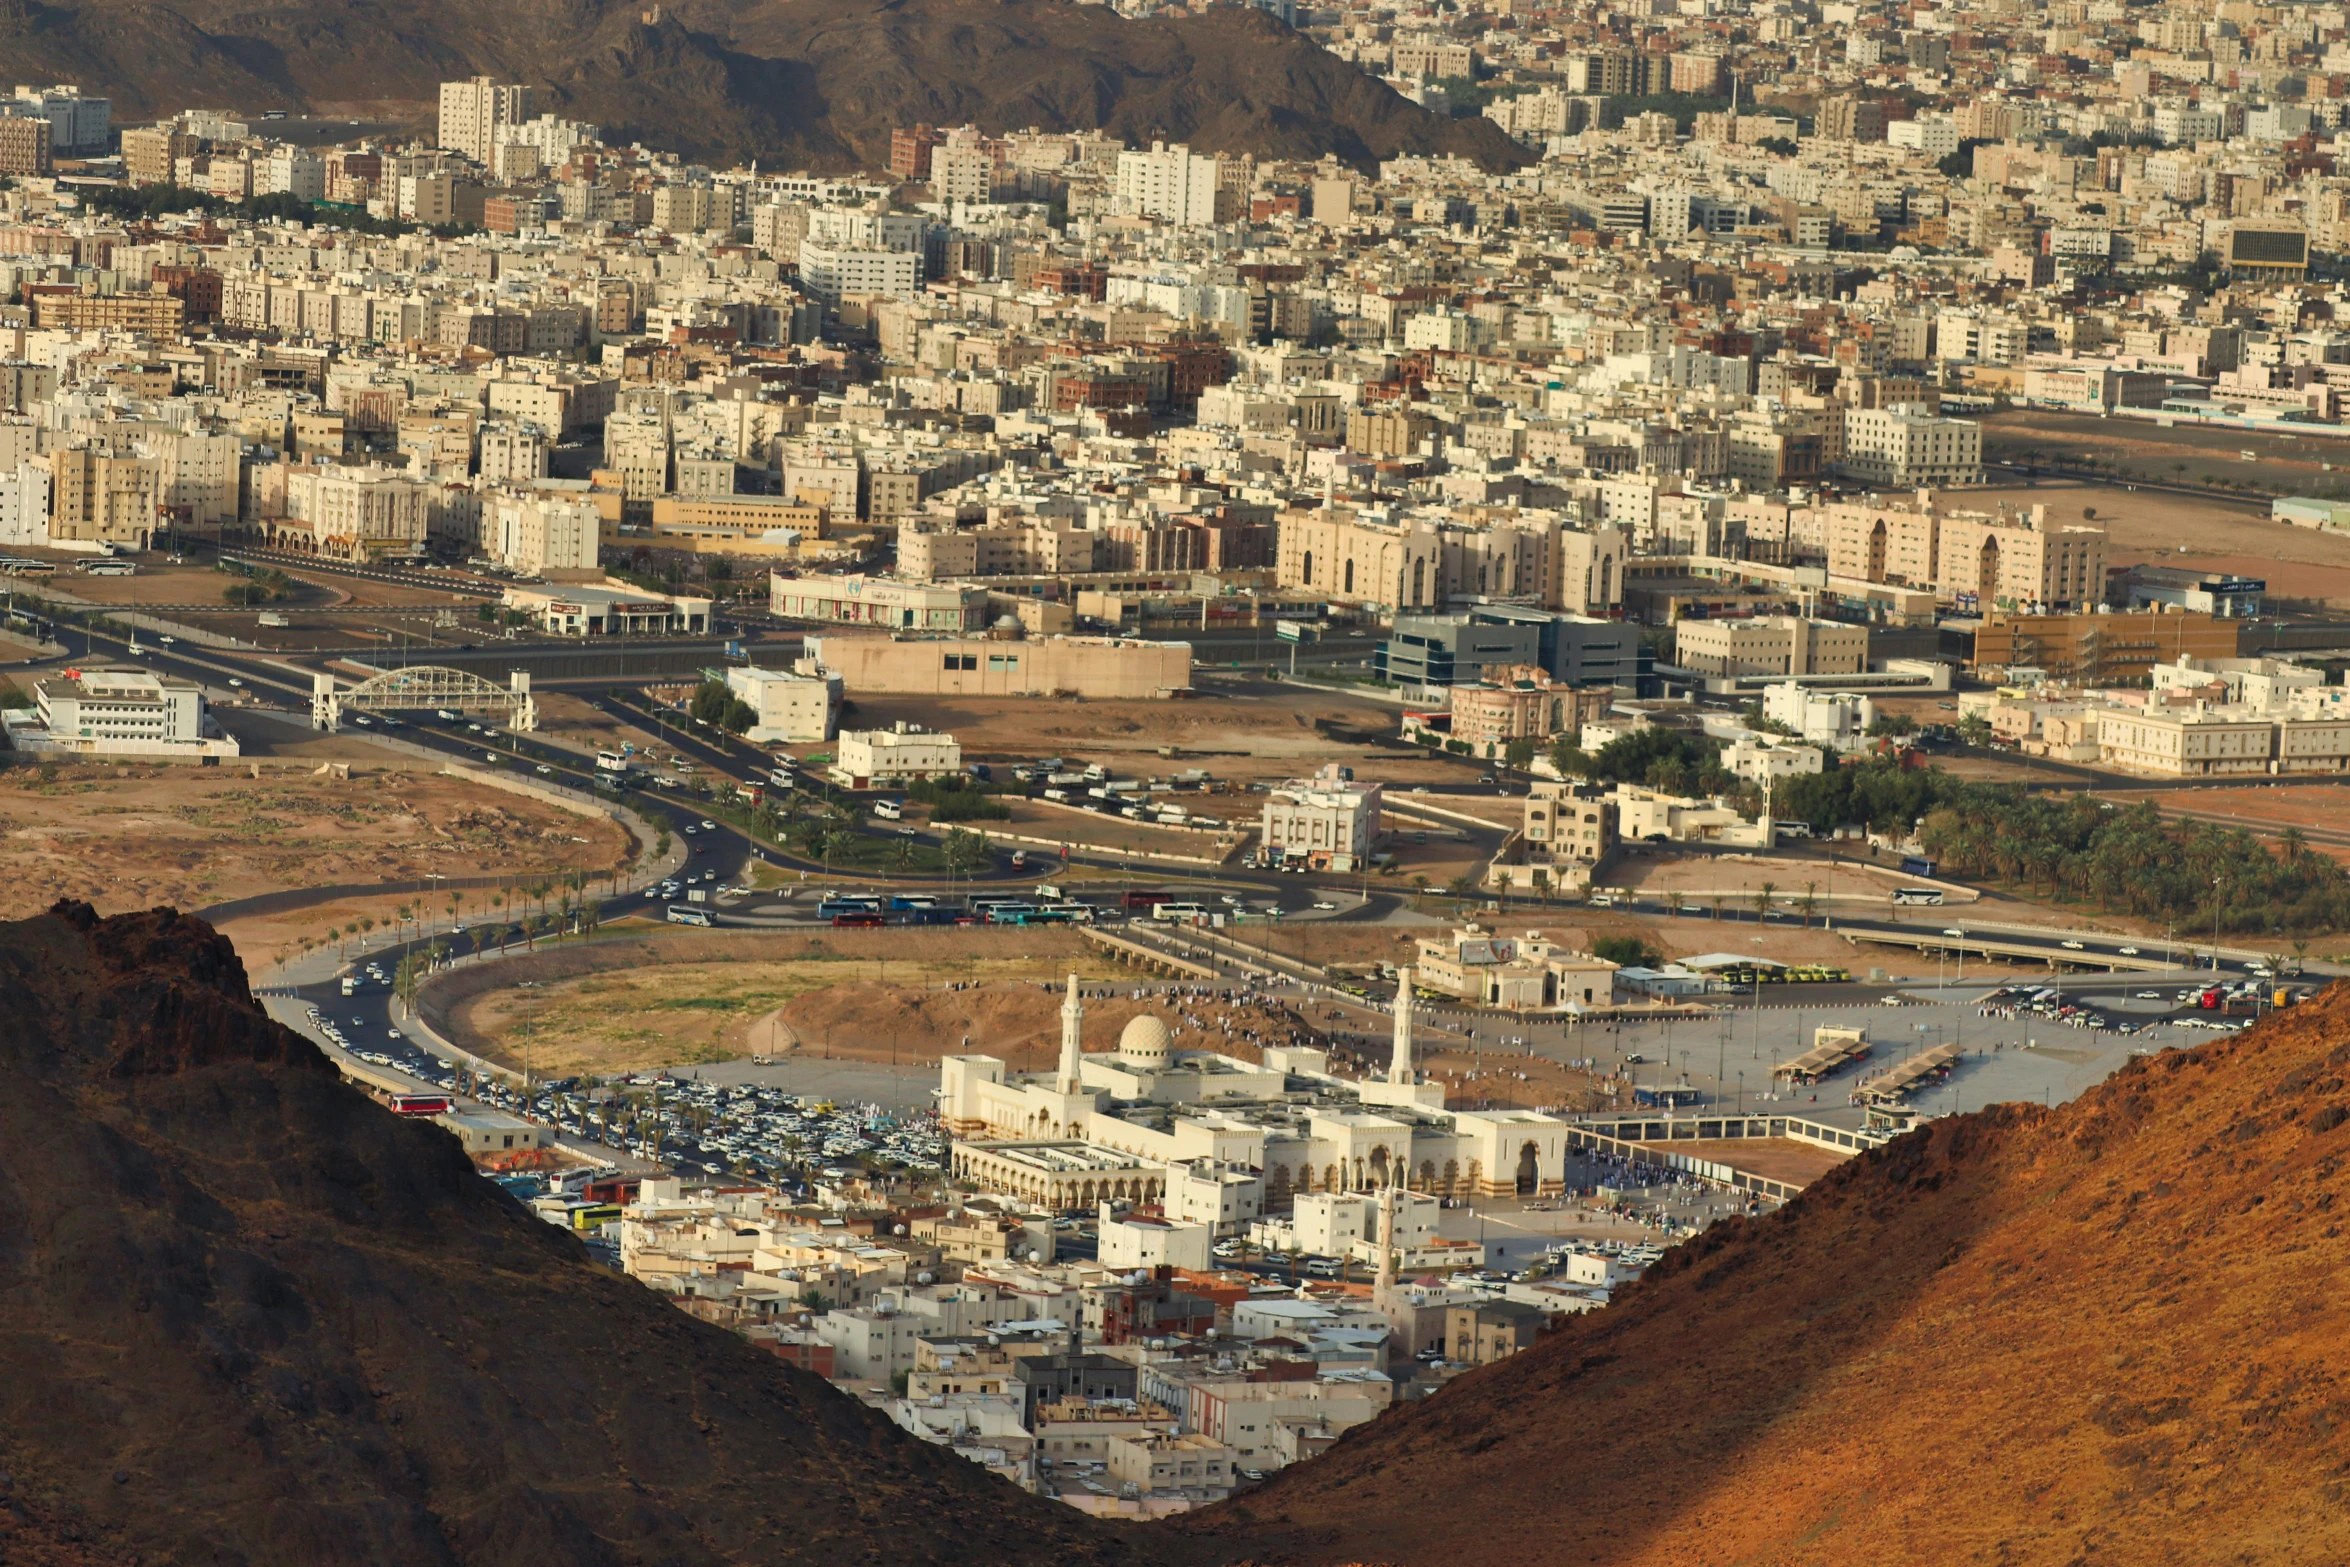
(1111, 1125)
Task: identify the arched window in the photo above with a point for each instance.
(1350, 574)
(1309, 568)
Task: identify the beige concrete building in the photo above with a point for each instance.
(95, 498)
(1522, 702)
(1328, 820)
(1101, 668)
(1026, 547)
(356, 513)
(877, 602)
(2009, 562)
(1414, 564)
(2184, 744)
(1893, 539)
(866, 757)
(736, 524)
(1771, 645)
(793, 705)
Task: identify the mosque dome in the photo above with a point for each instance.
(1145, 1042)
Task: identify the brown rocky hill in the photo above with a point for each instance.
(2108, 1333)
(815, 83)
(248, 1316)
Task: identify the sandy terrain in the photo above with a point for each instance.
(1245, 737)
(1740, 877)
(836, 997)
(2197, 533)
(571, 718)
(132, 837)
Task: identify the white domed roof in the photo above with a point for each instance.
(1145, 1042)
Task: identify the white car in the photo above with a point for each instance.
(544, 769)
(1955, 932)
(709, 826)
(2072, 946)
(1325, 907)
(2129, 952)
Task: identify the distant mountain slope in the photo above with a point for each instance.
(793, 82)
(2110, 1333)
(248, 1316)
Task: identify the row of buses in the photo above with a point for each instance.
(979, 909)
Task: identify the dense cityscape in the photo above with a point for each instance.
(1191, 822)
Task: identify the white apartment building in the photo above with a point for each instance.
(1835, 720)
(867, 757)
(291, 171)
(1906, 448)
(473, 112)
(116, 712)
(1226, 1198)
(357, 512)
(514, 453)
(833, 272)
(793, 705)
(536, 534)
(1327, 820)
(1171, 184)
(24, 507)
(1141, 1242)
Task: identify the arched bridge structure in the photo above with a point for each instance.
(431, 687)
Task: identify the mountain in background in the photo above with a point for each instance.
(794, 83)
(2108, 1333)
(249, 1316)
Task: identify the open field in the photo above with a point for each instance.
(899, 997)
(2194, 533)
(1740, 875)
(130, 837)
(1245, 737)
(2181, 452)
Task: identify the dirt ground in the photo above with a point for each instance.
(2197, 533)
(1244, 738)
(132, 837)
(837, 997)
(1740, 876)
(570, 718)
(1091, 829)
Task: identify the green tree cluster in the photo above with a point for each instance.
(715, 703)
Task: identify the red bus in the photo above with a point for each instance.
(1147, 900)
(420, 1104)
(860, 919)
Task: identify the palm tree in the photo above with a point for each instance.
(1762, 900)
(1809, 903)
(1460, 887)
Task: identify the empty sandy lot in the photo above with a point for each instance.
(132, 837)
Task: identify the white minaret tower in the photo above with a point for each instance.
(1072, 1042)
(1399, 1065)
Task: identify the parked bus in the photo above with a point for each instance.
(1916, 865)
(612, 761)
(830, 908)
(683, 914)
(1929, 897)
(863, 917)
(420, 1104)
(1180, 911)
(1010, 913)
(900, 902)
